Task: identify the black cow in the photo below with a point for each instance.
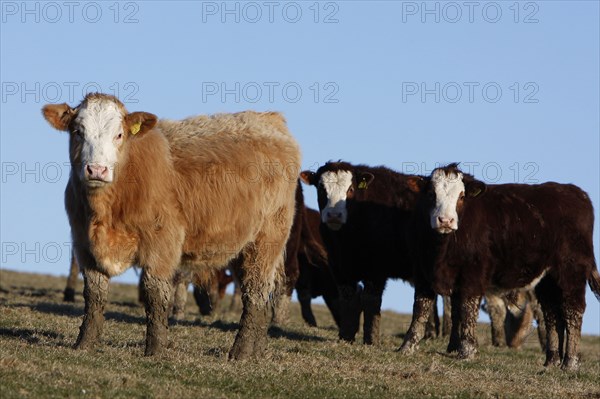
(364, 212)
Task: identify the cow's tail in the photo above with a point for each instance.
(594, 282)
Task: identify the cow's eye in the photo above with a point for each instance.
(119, 136)
(78, 133)
(351, 190)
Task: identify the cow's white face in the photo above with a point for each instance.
(449, 192)
(337, 187)
(99, 128)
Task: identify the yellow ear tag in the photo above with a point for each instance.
(135, 128)
(362, 185)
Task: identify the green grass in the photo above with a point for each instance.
(37, 331)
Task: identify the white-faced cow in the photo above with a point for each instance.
(200, 192)
(364, 212)
(469, 237)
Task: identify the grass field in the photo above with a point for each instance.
(37, 331)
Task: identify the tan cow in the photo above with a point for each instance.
(200, 191)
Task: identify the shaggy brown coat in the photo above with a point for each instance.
(199, 191)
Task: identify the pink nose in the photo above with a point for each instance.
(445, 221)
(96, 172)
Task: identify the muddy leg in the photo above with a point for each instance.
(179, 296)
(497, 311)
(349, 312)
(69, 293)
(421, 309)
(157, 295)
(371, 305)
(95, 293)
(260, 268)
(469, 310)
(573, 319)
(281, 309)
(432, 328)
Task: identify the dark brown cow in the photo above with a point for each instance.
(364, 212)
(469, 237)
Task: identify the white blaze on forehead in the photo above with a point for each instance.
(100, 122)
(448, 189)
(336, 185)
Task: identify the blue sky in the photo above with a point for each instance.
(509, 89)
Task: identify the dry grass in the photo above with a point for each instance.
(37, 331)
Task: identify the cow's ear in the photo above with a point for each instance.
(415, 183)
(308, 177)
(364, 179)
(59, 116)
(138, 123)
(475, 188)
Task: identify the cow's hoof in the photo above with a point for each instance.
(240, 351)
(570, 363)
(552, 359)
(453, 347)
(467, 351)
(407, 349)
(69, 295)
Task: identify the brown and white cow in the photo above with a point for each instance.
(469, 237)
(199, 192)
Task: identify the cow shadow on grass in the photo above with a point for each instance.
(34, 337)
(64, 309)
(273, 332)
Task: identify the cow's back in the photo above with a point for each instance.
(234, 170)
(514, 233)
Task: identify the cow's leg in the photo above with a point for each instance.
(497, 311)
(573, 307)
(469, 311)
(573, 320)
(423, 303)
(432, 328)
(95, 293)
(539, 318)
(262, 265)
(180, 283)
(305, 298)
(69, 293)
(281, 308)
(547, 294)
(202, 300)
(157, 293)
(454, 305)
(447, 322)
(371, 305)
(332, 300)
(349, 311)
